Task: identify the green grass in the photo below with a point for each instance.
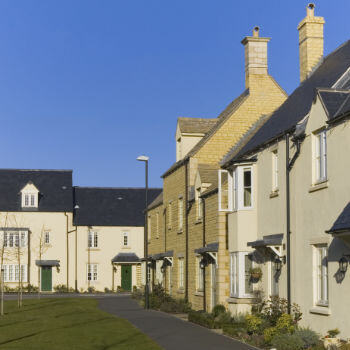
(72, 324)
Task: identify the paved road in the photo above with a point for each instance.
(168, 331)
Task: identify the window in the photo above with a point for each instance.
(15, 239)
(321, 275)
(92, 239)
(125, 239)
(149, 227)
(240, 280)
(157, 224)
(247, 187)
(47, 237)
(200, 284)
(320, 157)
(181, 272)
(275, 171)
(236, 189)
(12, 273)
(169, 215)
(29, 200)
(199, 202)
(92, 272)
(180, 214)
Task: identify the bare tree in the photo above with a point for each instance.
(3, 245)
(41, 249)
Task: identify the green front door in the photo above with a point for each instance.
(46, 278)
(126, 277)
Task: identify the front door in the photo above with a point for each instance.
(126, 277)
(46, 278)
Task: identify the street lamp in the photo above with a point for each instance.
(145, 159)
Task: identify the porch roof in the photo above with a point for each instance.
(275, 239)
(126, 258)
(47, 262)
(209, 248)
(342, 223)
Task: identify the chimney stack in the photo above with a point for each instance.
(310, 41)
(255, 52)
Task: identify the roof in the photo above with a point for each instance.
(100, 206)
(224, 115)
(342, 223)
(47, 262)
(55, 189)
(126, 258)
(267, 240)
(195, 125)
(333, 100)
(209, 248)
(298, 104)
(157, 201)
(208, 173)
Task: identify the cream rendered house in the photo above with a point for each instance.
(288, 210)
(52, 233)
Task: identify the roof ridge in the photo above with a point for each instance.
(118, 188)
(60, 170)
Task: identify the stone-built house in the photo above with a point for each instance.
(188, 248)
(288, 209)
(52, 233)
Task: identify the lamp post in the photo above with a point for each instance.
(145, 159)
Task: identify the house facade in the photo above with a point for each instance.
(54, 234)
(187, 233)
(288, 212)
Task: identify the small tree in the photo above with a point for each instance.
(41, 249)
(2, 254)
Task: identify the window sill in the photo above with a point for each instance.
(274, 194)
(318, 186)
(198, 221)
(128, 247)
(93, 249)
(179, 231)
(240, 300)
(320, 310)
(181, 291)
(199, 293)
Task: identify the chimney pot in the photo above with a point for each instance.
(310, 10)
(256, 32)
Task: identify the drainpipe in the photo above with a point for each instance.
(67, 248)
(186, 226)
(203, 242)
(289, 166)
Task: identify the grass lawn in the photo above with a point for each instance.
(67, 324)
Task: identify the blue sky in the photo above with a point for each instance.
(89, 85)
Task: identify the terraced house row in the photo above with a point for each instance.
(258, 198)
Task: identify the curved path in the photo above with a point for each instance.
(168, 331)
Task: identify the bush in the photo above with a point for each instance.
(91, 290)
(253, 324)
(308, 336)
(218, 309)
(234, 329)
(287, 341)
(269, 333)
(202, 318)
(285, 324)
(223, 318)
(333, 332)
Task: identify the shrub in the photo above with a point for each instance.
(218, 309)
(91, 289)
(309, 337)
(253, 323)
(223, 318)
(285, 324)
(285, 341)
(269, 333)
(107, 290)
(31, 289)
(202, 318)
(234, 329)
(333, 332)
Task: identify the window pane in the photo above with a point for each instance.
(95, 240)
(247, 183)
(248, 286)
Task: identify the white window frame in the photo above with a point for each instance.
(199, 274)
(321, 278)
(92, 272)
(222, 190)
(29, 199)
(92, 239)
(11, 273)
(320, 156)
(275, 184)
(125, 239)
(181, 273)
(238, 275)
(13, 239)
(180, 213)
(47, 237)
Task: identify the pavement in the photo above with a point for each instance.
(168, 331)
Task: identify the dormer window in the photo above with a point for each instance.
(30, 196)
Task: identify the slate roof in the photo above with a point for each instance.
(276, 239)
(157, 201)
(209, 248)
(195, 125)
(342, 223)
(332, 100)
(126, 258)
(299, 102)
(224, 115)
(100, 206)
(55, 189)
